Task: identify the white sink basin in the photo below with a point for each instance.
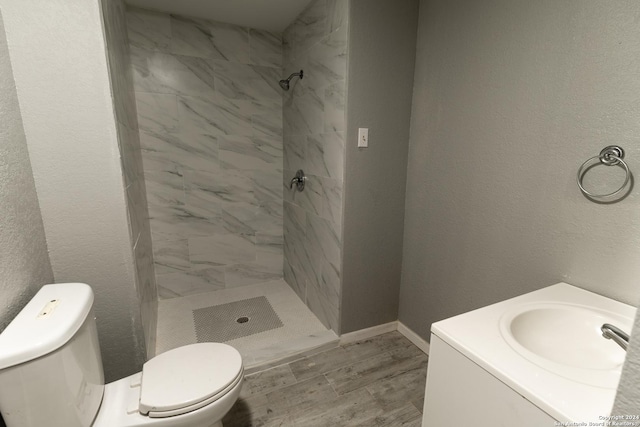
(566, 339)
(547, 346)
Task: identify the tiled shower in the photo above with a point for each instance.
(220, 141)
(314, 134)
(211, 137)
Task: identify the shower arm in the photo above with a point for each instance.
(284, 84)
(299, 74)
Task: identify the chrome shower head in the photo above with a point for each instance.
(284, 84)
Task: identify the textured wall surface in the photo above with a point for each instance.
(57, 50)
(509, 99)
(314, 128)
(628, 397)
(375, 176)
(121, 77)
(210, 115)
(24, 265)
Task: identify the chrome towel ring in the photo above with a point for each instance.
(609, 156)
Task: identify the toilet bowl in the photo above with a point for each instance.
(175, 389)
(51, 373)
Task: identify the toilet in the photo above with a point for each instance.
(51, 373)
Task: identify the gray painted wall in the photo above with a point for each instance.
(25, 262)
(509, 99)
(382, 43)
(57, 50)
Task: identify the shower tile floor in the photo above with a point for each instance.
(297, 333)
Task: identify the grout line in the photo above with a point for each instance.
(331, 385)
(267, 367)
(280, 387)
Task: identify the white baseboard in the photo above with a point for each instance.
(413, 337)
(364, 334)
(367, 333)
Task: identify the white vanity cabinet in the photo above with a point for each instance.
(461, 393)
(536, 360)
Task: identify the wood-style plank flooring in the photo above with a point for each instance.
(374, 382)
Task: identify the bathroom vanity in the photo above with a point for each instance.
(532, 361)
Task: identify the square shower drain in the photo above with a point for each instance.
(226, 322)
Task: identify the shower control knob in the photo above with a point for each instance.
(298, 180)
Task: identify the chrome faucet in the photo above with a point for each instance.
(614, 333)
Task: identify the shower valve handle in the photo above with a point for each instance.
(298, 180)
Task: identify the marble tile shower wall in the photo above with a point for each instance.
(115, 28)
(314, 128)
(210, 115)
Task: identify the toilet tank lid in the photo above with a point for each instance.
(46, 323)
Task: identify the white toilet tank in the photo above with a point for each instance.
(50, 365)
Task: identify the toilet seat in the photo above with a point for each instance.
(187, 409)
(187, 378)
